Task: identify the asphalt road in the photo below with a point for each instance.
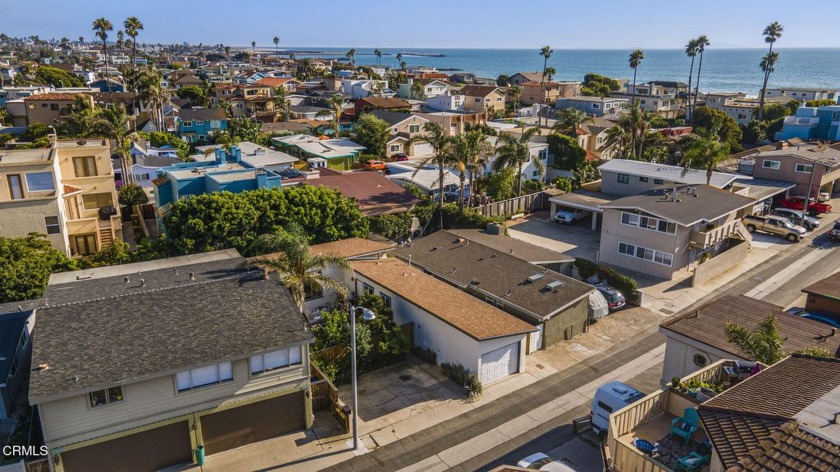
(553, 434)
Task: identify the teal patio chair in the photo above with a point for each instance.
(693, 462)
(686, 426)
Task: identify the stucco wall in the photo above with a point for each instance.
(568, 323)
(719, 264)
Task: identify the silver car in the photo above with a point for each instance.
(798, 218)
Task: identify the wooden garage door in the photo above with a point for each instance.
(499, 363)
(142, 452)
(251, 423)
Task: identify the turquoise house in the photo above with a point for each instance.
(810, 123)
(197, 125)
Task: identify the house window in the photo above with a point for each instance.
(658, 181)
(596, 106)
(85, 244)
(414, 128)
(385, 299)
(199, 123)
(312, 291)
(95, 201)
(646, 222)
(535, 173)
(54, 106)
(804, 168)
(274, 360)
(187, 124)
(52, 224)
(367, 289)
(700, 360)
(84, 166)
(105, 397)
(202, 137)
(395, 148)
(643, 179)
(768, 164)
(651, 255)
(240, 106)
(15, 187)
(215, 124)
(39, 181)
(477, 100)
(204, 376)
(623, 178)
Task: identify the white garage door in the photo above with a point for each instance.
(423, 149)
(499, 363)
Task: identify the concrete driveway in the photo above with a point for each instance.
(576, 240)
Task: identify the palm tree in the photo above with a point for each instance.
(276, 42)
(336, 108)
(418, 90)
(763, 345)
(399, 59)
(569, 120)
(281, 103)
(515, 153)
(549, 73)
(477, 151)
(102, 26)
(771, 33)
(635, 124)
(546, 53)
(113, 123)
(351, 56)
(227, 53)
(442, 155)
(133, 26)
(403, 65)
(378, 54)
(120, 40)
(287, 253)
(81, 40)
(702, 42)
(254, 48)
(704, 151)
(690, 51)
(635, 60)
(513, 93)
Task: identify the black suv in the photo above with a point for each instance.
(834, 233)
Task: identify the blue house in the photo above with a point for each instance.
(105, 85)
(226, 172)
(197, 125)
(811, 123)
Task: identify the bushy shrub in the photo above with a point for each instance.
(626, 285)
(396, 227)
(463, 377)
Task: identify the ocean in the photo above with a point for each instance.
(724, 70)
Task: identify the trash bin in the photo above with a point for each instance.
(199, 455)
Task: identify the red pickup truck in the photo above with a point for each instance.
(797, 203)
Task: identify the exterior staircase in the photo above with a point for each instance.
(745, 235)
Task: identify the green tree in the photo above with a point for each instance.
(546, 53)
(351, 56)
(820, 103)
(113, 123)
(276, 41)
(160, 139)
(702, 42)
(727, 128)
(470, 152)
(132, 194)
(515, 153)
(287, 253)
(569, 120)
(764, 344)
(102, 26)
(771, 33)
(133, 26)
(502, 80)
(282, 107)
(568, 155)
(690, 51)
(26, 264)
(117, 253)
(499, 185)
(57, 77)
(596, 85)
(704, 151)
(34, 132)
(562, 183)
(195, 94)
(336, 108)
(372, 133)
(396, 227)
(635, 61)
(378, 54)
(513, 93)
(441, 156)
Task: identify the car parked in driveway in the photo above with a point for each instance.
(400, 157)
(569, 217)
(615, 299)
(798, 218)
(375, 165)
(798, 203)
(774, 225)
(834, 233)
(540, 461)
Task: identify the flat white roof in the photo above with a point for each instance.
(665, 172)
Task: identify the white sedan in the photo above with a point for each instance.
(540, 461)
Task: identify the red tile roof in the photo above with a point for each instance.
(69, 189)
(273, 81)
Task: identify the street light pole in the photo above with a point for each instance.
(368, 316)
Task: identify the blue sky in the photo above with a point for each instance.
(605, 24)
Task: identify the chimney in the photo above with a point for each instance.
(781, 145)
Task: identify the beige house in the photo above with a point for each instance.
(247, 100)
(59, 192)
(454, 124)
(126, 377)
(548, 92)
(480, 98)
(403, 128)
(47, 108)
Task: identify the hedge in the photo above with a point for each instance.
(626, 285)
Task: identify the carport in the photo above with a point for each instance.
(763, 191)
(581, 199)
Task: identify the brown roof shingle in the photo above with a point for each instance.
(351, 247)
(827, 287)
(374, 193)
(454, 307)
(791, 449)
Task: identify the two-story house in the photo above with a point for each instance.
(666, 231)
(447, 102)
(803, 94)
(520, 78)
(481, 98)
(48, 108)
(253, 101)
(362, 88)
(809, 123)
(197, 125)
(404, 127)
(125, 378)
(66, 192)
(595, 106)
(430, 88)
(653, 98)
(454, 123)
(547, 92)
(817, 165)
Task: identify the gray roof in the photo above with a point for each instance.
(703, 203)
(464, 263)
(202, 114)
(390, 117)
(665, 172)
(520, 249)
(11, 325)
(822, 154)
(103, 331)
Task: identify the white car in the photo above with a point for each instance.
(540, 461)
(570, 217)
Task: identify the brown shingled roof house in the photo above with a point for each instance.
(374, 193)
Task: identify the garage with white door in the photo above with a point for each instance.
(422, 149)
(499, 363)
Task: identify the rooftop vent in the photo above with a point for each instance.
(535, 277)
(555, 285)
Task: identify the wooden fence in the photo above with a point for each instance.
(38, 465)
(524, 204)
(325, 398)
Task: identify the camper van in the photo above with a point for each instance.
(609, 398)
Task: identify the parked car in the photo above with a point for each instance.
(798, 203)
(570, 217)
(609, 398)
(290, 173)
(400, 157)
(375, 165)
(824, 197)
(615, 299)
(834, 233)
(774, 225)
(540, 461)
(798, 218)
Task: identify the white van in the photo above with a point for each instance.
(609, 398)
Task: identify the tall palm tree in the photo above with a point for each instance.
(403, 65)
(704, 151)
(441, 156)
(763, 345)
(399, 59)
(287, 253)
(636, 124)
(81, 40)
(771, 33)
(514, 152)
(546, 53)
(351, 56)
(617, 143)
(120, 40)
(113, 123)
(702, 42)
(276, 41)
(102, 26)
(133, 26)
(635, 60)
(378, 54)
(254, 49)
(549, 73)
(470, 151)
(336, 108)
(690, 51)
(514, 92)
(227, 53)
(569, 120)
(418, 90)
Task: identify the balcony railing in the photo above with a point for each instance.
(706, 238)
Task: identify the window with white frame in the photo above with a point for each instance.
(647, 222)
(106, 396)
(52, 224)
(804, 168)
(395, 148)
(414, 128)
(651, 255)
(268, 361)
(187, 124)
(204, 376)
(768, 164)
(215, 124)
